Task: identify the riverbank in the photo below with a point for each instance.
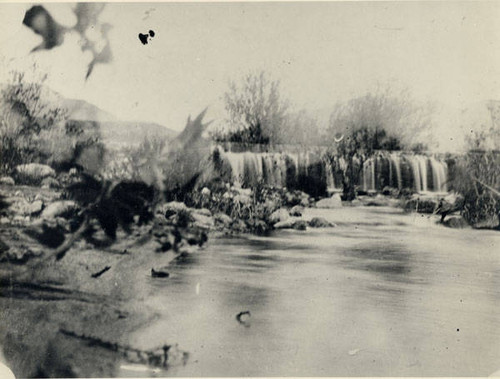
(58, 315)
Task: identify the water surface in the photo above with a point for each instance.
(382, 294)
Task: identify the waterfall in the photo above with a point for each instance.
(400, 170)
(310, 172)
(396, 162)
(439, 174)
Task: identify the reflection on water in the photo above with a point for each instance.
(383, 293)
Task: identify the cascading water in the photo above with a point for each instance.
(308, 171)
(398, 170)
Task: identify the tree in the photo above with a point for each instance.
(302, 129)
(476, 174)
(379, 121)
(256, 111)
(26, 118)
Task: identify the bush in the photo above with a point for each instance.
(35, 129)
(476, 175)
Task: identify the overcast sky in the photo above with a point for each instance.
(445, 52)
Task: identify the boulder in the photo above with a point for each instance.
(297, 211)
(175, 206)
(297, 198)
(292, 223)
(320, 222)
(63, 208)
(456, 222)
(330, 203)
(223, 220)
(33, 173)
(159, 273)
(300, 225)
(203, 211)
(24, 208)
(50, 182)
(19, 254)
(421, 204)
(7, 181)
(278, 215)
(202, 221)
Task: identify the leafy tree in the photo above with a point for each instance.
(256, 111)
(378, 121)
(26, 118)
(302, 129)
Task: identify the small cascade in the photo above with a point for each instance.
(398, 170)
(439, 174)
(311, 173)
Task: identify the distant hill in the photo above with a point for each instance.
(118, 134)
(81, 110)
(115, 133)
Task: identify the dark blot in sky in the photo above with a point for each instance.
(145, 38)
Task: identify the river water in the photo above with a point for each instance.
(382, 294)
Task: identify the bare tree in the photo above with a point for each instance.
(256, 111)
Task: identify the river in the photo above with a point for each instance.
(384, 293)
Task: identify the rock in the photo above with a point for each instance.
(203, 212)
(297, 211)
(330, 203)
(222, 219)
(390, 191)
(305, 202)
(4, 221)
(7, 181)
(300, 225)
(33, 173)
(159, 273)
(278, 215)
(205, 191)
(378, 201)
(292, 223)
(196, 237)
(19, 254)
(320, 222)
(202, 221)
(456, 222)
(174, 206)
(421, 204)
(50, 182)
(18, 220)
(296, 198)
(24, 208)
(62, 208)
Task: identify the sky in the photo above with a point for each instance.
(446, 53)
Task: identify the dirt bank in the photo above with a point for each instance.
(58, 316)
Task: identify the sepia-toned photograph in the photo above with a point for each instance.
(250, 189)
